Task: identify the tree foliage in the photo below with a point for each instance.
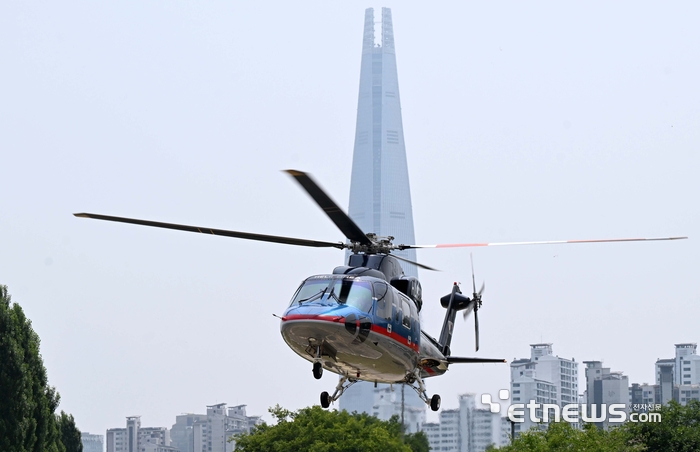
(314, 429)
(678, 431)
(418, 442)
(562, 436)
(27, 402)
(69, 433)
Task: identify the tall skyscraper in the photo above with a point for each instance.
(380, 195)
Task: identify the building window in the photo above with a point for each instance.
(392, 136)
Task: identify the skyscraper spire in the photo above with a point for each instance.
(380, 195)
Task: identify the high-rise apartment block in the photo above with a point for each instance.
(211, 432)
(604, 388)
(685, 367)
(388, 403)
(91, 442)
(467, 429)
(545, 379)
(135, 438)
(676, 379)
(380, 194)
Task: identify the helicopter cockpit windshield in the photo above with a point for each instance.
(347, 291)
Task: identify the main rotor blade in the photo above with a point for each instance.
(460, 360)
(415, 263)
(224, 232)
(348, 227)
(549, 242)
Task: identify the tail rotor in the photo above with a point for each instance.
(476, 297)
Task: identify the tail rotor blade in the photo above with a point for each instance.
(476, 328)
(483, 287)
(471, 257)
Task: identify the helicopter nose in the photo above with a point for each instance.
(358, 326)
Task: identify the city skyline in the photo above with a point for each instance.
(524, 122)
(471, 424)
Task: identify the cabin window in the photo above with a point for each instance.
(406, 314)
(383, 296)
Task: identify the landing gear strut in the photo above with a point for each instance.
(344, 383)
(415, 381)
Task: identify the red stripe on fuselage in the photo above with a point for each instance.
(325, 318)
(395, 336)
(338, 319)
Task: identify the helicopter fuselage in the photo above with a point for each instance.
(360, 326)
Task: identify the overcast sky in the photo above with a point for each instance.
(522, 121)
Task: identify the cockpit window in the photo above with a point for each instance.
(353, 293)
(336, 290)
(311, 289)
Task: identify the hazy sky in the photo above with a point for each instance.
(523, 121)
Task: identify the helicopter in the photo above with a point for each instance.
(362, 320)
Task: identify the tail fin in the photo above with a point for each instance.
(454, 302)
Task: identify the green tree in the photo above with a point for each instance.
(418, 442)
(678, 431)
(561, 436)
(28, 403)
(314, 429)
(70, 435)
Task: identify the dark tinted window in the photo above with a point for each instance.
(406, 313)
(353, 293)
(383, 295)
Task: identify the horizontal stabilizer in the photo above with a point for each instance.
(460, 360)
